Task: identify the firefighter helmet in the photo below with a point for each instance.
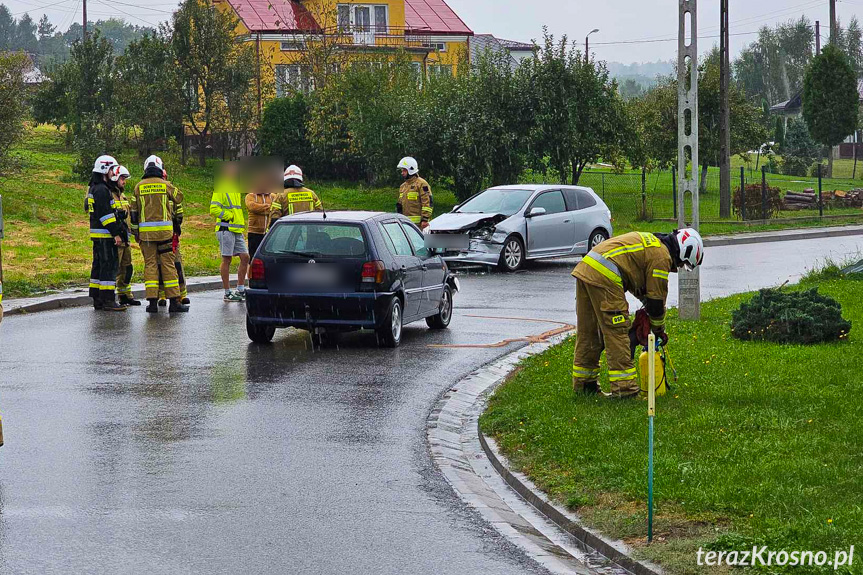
(294, 173)
(410, 165)
(691, 247)
(119, 172)
(103, 164)
(155, 161)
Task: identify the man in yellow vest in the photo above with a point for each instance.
(415, 196)
(638, 263)
(154, 213)
(296, 198)
(226, 206)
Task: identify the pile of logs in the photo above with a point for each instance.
(808, 199)
(805, 200)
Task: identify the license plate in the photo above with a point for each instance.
(314, 275)
(447, 241)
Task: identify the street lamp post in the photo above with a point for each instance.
(587, 45)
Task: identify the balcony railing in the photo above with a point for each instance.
(374, 36)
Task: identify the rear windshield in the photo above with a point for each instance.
(316, 240)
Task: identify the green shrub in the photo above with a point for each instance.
(799, 317)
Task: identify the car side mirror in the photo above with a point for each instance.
(536, 212)
(454, 209)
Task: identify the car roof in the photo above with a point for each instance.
(540, 187)
(342, 216)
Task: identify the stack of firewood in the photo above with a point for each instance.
(843, 199)
(805, 200)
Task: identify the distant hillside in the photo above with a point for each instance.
(644, 73)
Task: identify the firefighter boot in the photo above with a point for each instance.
(126, 300)
(112, 306)
(97, 303)
(152, 307)
(176, 306)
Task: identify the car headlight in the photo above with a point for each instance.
(483, 234)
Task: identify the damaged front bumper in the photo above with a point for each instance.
(478, 252)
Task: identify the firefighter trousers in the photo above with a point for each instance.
(159, 263)
(124, 272)
(178, 264)
(103, 274)
(602, 315)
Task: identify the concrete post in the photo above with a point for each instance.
(687, 101)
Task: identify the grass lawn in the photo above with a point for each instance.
(47, 244)
(757, 444)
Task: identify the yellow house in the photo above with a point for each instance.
(292, 35)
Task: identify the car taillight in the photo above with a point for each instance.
(257, 271)
(373, 272)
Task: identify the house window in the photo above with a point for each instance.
(293, 46)
(363, 18)
(291, 78)
(440, 70)
(436, 46)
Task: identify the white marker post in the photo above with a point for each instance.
(651, 413)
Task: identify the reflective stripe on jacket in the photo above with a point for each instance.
(226, 206)
(415, 198)
(295, 201)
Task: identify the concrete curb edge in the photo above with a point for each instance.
(782, 236)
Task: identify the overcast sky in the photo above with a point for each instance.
(619, 21)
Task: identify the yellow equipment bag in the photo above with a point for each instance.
(644, 372)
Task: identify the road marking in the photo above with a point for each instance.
(540, 338)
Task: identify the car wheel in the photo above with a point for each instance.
(259, 333)
(390, 332)
(512, 255)
(444, 316)
(597, 236)
(328, 338)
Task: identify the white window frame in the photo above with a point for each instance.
(353, 19)
(284, 84)
(293, 45)
(436, 46)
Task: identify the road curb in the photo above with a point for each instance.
(782, 236)
(452, 427)
(62, 301)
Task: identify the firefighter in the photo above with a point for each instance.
(415, 196)
(178, 257)
(296, 198)
(117, 185)
(106, 233)
(155, 211)
(636, 262)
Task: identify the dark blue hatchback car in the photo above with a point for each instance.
(344, 271)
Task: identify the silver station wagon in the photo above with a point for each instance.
(506, 225)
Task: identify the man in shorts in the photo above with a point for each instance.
(226, 206)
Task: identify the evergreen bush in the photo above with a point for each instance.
(797, 317)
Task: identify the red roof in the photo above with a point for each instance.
(433, 17)
(273, 15)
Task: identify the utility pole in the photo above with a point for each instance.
(817, 38)
(833, 31)
(724, 114)
(689, 284)
(84, 4)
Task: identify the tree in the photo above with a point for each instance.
(631, 89)
(207, 58)
(13, 107)
(830, 99)
(653, 134)
(7, 29)
(146, 95)
(45, 28)
(283, 131)
(25, 35)
(799, 151)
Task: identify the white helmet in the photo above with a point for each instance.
(294, 173)
(154, 161)
(103, 164)
(119, 173)
(410, 165)
(691, 247)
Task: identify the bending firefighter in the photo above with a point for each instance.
(154, 214)
(107, 234)
(415, 197)
(117, 184)
(296, 198)
(636, 262)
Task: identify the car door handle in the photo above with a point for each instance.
(566, 221)
(425, 267)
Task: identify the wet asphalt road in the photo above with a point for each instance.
(141, 444)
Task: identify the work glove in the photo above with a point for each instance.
(661, 336)
(175, 243)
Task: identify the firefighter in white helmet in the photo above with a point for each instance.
(296, 198)
(117, 184)
(638, 263)
(106, 233)
(415, 196)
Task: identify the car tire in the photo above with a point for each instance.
(596, 237)
(328, 339)
(444, 315)
(259, 333)
(512, 254)
(390, 332)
